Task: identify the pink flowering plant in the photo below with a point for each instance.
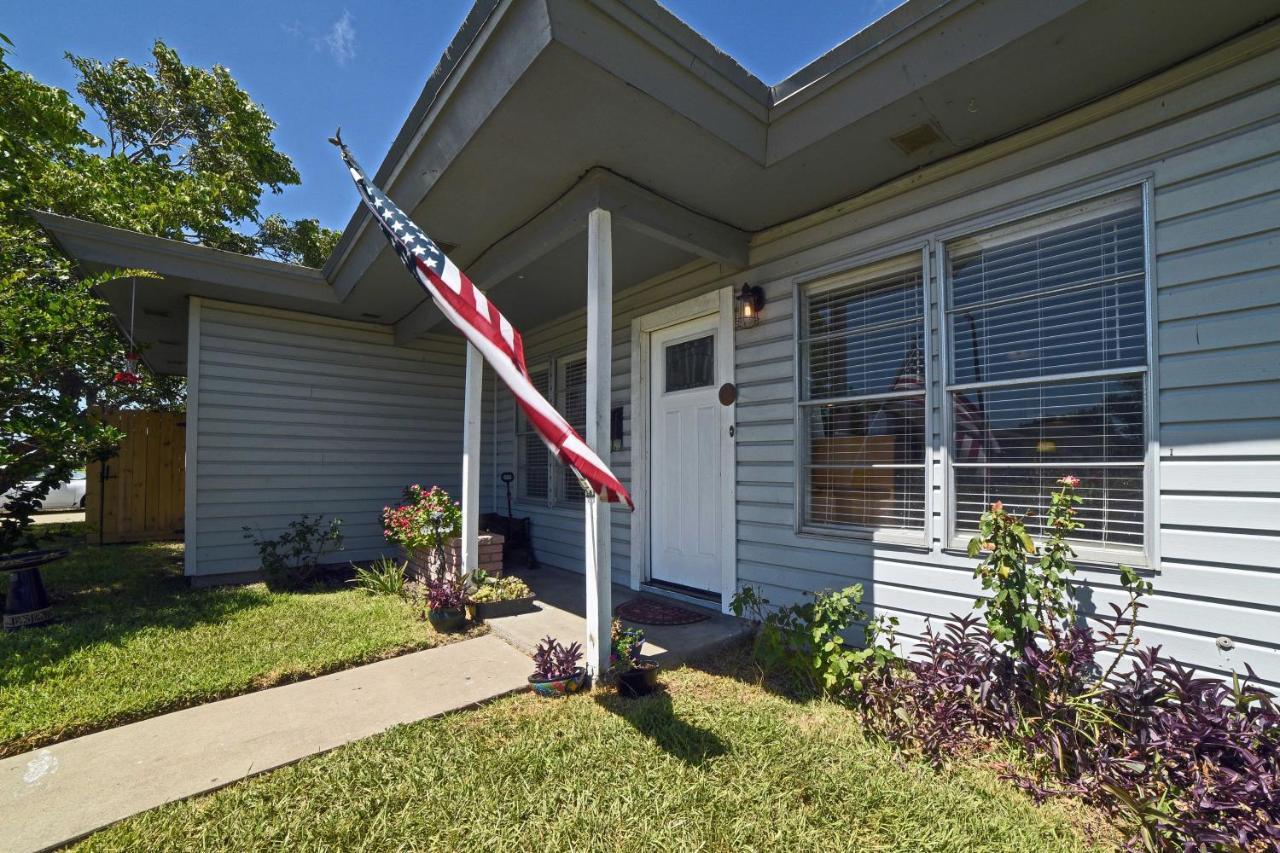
(1030, 587)
(427, 519)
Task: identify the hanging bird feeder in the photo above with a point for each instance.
(129, 376)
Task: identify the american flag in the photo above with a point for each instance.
(973, 439)
(487, 330)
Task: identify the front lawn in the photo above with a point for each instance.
(133, 640)
(717, 763)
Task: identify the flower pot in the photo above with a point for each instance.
(482, 610)
(448, 620)
(559, 686)
(640, 680)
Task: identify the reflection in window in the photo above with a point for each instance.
(690, 364)
(1030, 308)
(863, 398)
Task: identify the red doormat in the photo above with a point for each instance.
(648, 611)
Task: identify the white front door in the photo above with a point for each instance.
(685, 461)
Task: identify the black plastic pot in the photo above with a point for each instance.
(482, 610)
(447, 621)
(640, 680)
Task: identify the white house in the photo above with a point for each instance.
(997, 242)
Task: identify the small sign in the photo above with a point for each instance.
(728, 394)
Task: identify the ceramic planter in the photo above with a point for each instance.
(559, 686)
(482, 610)
(640, 680)
(447, 621)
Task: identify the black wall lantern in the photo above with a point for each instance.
(750, 302)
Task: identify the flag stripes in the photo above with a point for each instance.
(470, 311)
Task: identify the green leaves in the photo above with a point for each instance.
(1028, 587)
(187, 156)
(807, 642)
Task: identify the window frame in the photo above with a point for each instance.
(858, 265)
(956, 540)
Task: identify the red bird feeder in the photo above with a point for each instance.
(128, 376)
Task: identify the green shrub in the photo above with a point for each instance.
(292, 559)
(806, 642)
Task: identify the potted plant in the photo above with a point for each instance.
(634, 674)
(490, 596)
(446, 598)
(424, 526)
(556, 669)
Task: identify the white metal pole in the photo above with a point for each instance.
(472, 400)
(599, 364)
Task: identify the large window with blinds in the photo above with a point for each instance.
(1046, 324)
(533, 460)
(862, 399)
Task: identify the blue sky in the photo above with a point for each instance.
(325, 63)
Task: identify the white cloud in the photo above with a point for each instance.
(340, 41)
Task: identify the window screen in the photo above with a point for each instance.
(862, 398)
(1047, 339)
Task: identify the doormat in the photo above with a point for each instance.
(648, 611)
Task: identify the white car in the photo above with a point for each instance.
(67, 496)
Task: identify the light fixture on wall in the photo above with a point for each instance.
(750, 303)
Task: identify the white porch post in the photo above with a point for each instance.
(599, 363)
(471, 402)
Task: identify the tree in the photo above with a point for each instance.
(187, 155)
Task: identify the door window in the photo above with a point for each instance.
(690, 364)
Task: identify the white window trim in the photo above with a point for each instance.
(956, 541)
(802, 287)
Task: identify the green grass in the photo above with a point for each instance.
(134, 640)
(715, 764)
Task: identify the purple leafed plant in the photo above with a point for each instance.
(1189, 762)
(445, 593)
(553, 660)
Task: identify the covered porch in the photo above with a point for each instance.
(646, 376)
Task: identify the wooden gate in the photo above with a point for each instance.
(143, 495)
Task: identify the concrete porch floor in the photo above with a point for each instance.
(561, 603)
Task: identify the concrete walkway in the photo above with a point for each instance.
(55, 795)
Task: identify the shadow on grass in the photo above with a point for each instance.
(739, 662)
(104, 594)
(655, 718)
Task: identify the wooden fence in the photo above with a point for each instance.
(143, 495)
